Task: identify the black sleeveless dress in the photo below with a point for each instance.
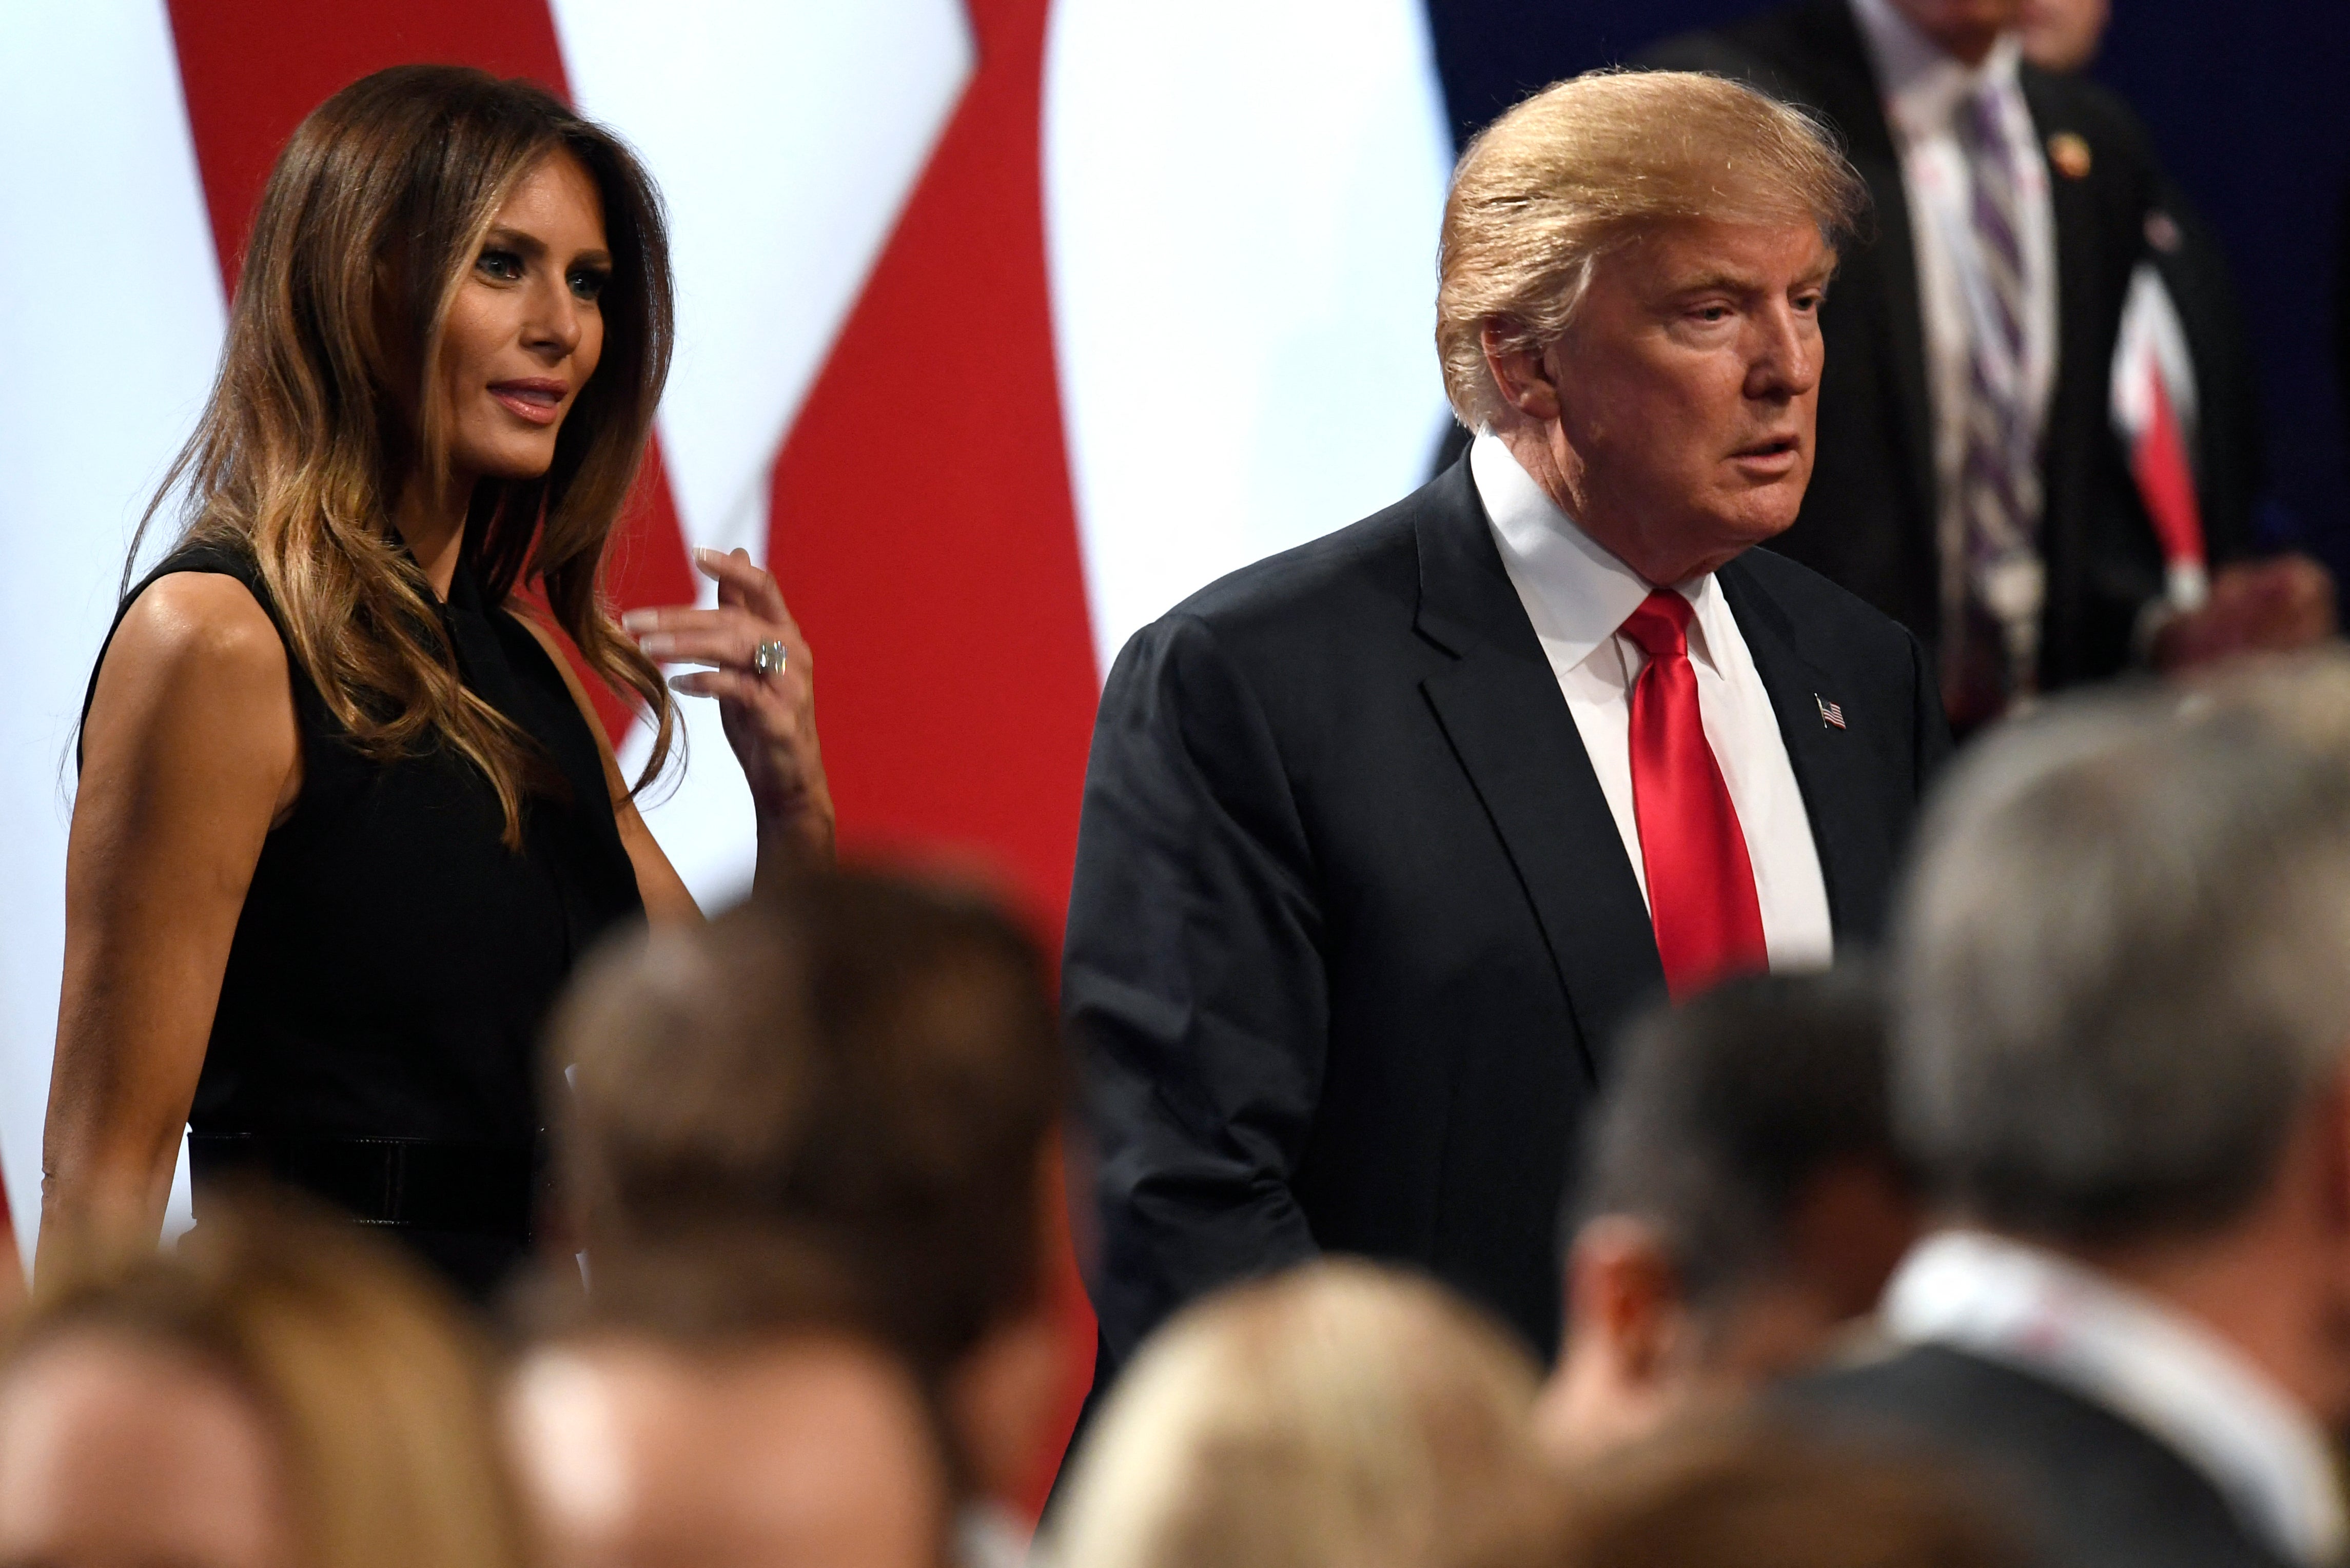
(376, 1036)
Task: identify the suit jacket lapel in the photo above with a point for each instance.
(1827, 771)
(1500, 706)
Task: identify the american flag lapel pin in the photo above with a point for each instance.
(1830, 712)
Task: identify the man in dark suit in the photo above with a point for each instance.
(2122, 1024)
(1969, 481)
(1383, 837)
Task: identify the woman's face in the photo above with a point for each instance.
(525, 331)
(115, 1454)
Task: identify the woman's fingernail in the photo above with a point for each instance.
(640, 620)
(656, 642)
(683, 686)
(704, 555)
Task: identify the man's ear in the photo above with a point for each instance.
(1624, 1293)
(1523, 377)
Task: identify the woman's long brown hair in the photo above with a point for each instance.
(372, 221)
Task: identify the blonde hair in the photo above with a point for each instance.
(1339, 1416)
(379, 1394)
(1586, 165)
(1746, 1490)
(371, 218)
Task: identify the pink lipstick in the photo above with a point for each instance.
(538, 399)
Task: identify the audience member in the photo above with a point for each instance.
(2121, 1014)
(1745, 1494)
(1341, 1415)
(2063, 36)
(1970, 482)
(1743, 1205)
(709, 1407)
(866, 1071)
(2212, 390)
(279, 1393)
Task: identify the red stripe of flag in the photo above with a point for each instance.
(2165, 481)
(924, 533)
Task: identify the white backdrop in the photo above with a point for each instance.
(1243, 199)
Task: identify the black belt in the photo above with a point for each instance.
(476, 1189)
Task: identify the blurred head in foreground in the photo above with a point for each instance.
(860, 1076)
(279, 1393)
(707, 1409)
(1751, 1494)
(2123, 1003)
(1337, 1416)
(1742, 1204)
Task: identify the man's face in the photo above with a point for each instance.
(1688, 391)
(1964, 28)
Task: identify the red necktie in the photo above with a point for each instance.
(1701, 884)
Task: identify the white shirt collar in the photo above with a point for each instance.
(1575, 591)
(2013, 1303)
(1922, 85)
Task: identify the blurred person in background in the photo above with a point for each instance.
(2182, 322)
(1383, 837)
(1338, 1415)
(346, 817)
(715, 1404)
(2122, 1066)
(2063, 36)
(869, 1070)
(1745, 1493)
(1743, 1206)
(281, 1392)
(1970, 481)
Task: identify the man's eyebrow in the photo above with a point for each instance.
(1727, 280)
(1722, 279)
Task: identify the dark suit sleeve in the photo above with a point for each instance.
(1192, 980)
(1933, 724)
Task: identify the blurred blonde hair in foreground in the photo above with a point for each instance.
(1338, 1414)
(373, 1391)
(1742, 1491)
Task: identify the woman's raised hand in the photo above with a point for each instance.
(763, 678)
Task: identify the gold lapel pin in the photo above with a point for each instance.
(2068, 154)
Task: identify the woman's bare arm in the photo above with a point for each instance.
(667, 901)
(189, 754)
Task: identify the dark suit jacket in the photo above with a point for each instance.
(2090, 1488)
(1868, 520)
(1352, 926)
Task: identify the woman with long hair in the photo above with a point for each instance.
(281, 1392)
(346, 818)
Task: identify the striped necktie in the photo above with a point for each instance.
(1993, 657)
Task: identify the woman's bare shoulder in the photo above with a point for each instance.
(195, 654)
(201, 626)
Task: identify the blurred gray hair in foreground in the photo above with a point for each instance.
(2123, 963)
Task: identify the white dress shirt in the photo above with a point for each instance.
(1578, 596)
(1922, 88)
(2152, 1365)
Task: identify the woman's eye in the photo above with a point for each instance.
(589, 285)
(504, 265)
